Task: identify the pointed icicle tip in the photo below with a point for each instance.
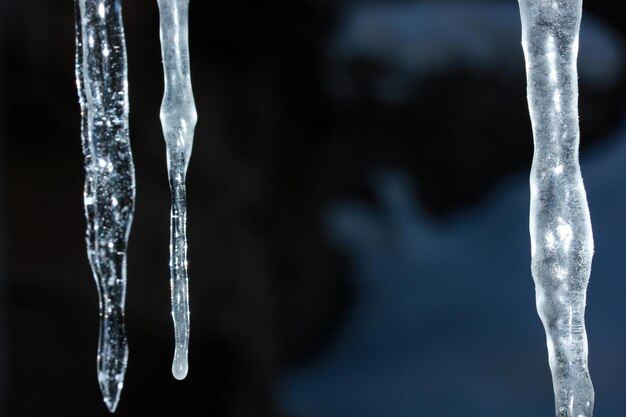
(111, 391)
(180, 366)
(111, 404)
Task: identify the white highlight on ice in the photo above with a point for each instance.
(178, 118)
(560, 225)
(565, 234)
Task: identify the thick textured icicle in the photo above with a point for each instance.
(178, 118)
(560, 226)
(101, 78)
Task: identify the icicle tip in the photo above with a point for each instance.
(111, 404)
(180, 366)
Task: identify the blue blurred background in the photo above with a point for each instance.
(358, 214)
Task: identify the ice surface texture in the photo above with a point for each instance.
(560, 226)
(101, 78)
(178, 118)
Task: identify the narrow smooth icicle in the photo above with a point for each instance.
(101, 79)
(178, 118)
(560, 226)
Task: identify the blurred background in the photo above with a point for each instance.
(358, 214)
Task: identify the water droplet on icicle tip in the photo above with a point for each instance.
(180, 365)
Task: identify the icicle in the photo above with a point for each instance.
(560, 226)
(101, 78)
(178, 118)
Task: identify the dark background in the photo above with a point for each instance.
(277, 144)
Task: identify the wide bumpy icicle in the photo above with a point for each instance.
(560, 226)
(178, 118)
(101, 78)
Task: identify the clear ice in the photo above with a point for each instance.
(109, 198)
(178, 119)
(560, 226)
